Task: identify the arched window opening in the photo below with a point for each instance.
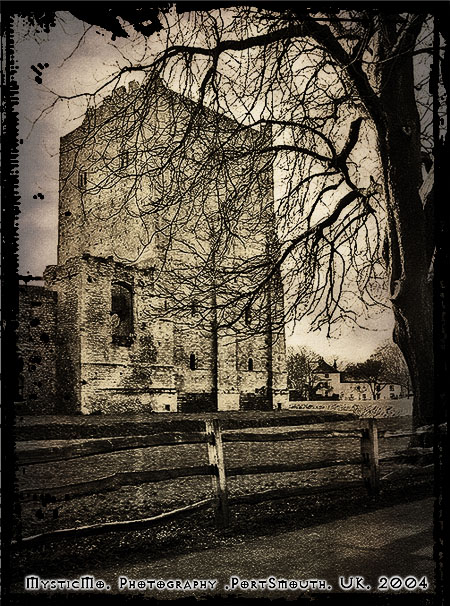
(121, 313)
(247, 316)
(192, 362)
(250, 364)
(124, 158)
(82, 179)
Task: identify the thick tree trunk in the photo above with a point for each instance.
(410, 236)
(414, 336)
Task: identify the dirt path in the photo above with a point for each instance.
(389, 542)
(393, 541)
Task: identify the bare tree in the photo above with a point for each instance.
(370, 372)
(330, 101)
(394, 366)
(301, 364)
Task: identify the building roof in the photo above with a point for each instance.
(322, 366)
(348, 378)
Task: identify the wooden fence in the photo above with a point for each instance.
(214, 437)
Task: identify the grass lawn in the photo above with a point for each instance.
(198, 531)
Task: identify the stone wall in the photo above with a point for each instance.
(72, 364)
(132, 196)
(36, 344)
(161, 365)
(66, 282)
(131, 208)
(368, 409)
(134, 374)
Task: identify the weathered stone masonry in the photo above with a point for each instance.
(100, 369)
(112, 348)
(37, 349)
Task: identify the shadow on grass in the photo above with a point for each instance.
(198, 532)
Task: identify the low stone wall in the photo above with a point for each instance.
(370, 408)
(36, 345)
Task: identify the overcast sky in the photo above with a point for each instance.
(73, 68)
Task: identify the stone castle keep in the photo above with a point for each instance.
(130, 319)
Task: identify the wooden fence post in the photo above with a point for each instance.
(370, 458)
(218, 476)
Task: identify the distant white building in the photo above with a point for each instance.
(334, 384)
(328, 380)
(392, 391)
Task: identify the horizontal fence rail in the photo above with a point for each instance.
(125, 525)
(137, 478)
(97, 446)
(214, 438)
